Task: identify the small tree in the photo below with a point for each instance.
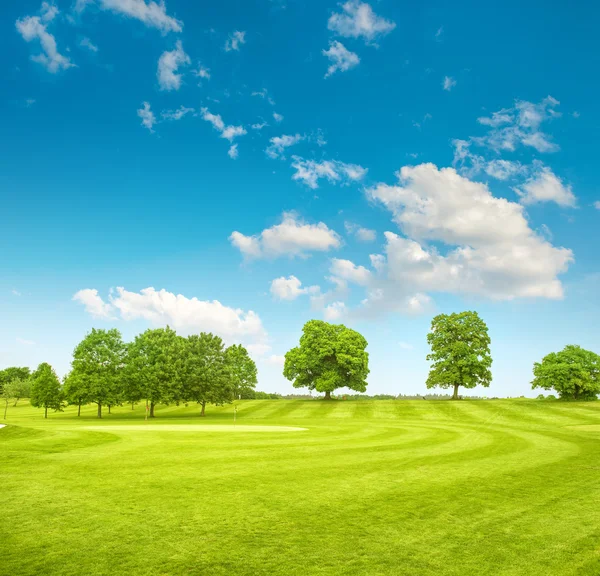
(97, 366)
(330, 356)
(13, 373)
(45, 389)
(75, 390)
(206, 374)
(22, 388)
(9, 390)
(242, 371)
(573, 372)
(460, 352)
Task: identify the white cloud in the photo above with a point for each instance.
(24, 342)
(492, 251)
(310, 172)
(168, 64)
(293, 237)
(186, 315)
(334, 311)
(340, 58)
(597, 205)
(16, 292)
(350, 272)
(405, 346)
(234, 41)
(152, 14)
(503, 169)
(147, 116)
(362, 234)
(94, 305)
(290, 288)
(545, 186)
(35, 28)
(278, 144)
(357, 20)
(258, 125)
(202, 72)
(276, 360)
(439, 35)
(233, 151)
(87, 43)
(227, 132)
(277, 117)
(448, 83)
(264, 94)
(176, 114)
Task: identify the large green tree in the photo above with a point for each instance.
(242, 370)
(97, 368)
(75, 390)
(206, 376)
(573, 372)
(329, 356)
(155, 366)
(460, 352)
(45, 389)
(13, 373)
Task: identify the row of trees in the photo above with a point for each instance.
(159, 366)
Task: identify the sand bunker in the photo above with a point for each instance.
(193, 428)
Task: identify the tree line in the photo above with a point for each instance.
(159, 366)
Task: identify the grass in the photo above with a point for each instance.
(506, 487)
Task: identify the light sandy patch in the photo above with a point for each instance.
(586, 427)
(2, 425)
(193, 428)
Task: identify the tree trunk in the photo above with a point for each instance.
(328, 395)
(132, 405)
(455, 395)
(109, 408)
(5, 409)
(45, 411)
(99, 409)
(203, 408)
(151, 409)
(79, 409)
(16, 402)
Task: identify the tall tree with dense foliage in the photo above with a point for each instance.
(97, 368)
(460, 352)
(13, 373)
(242, 370)
(45, 389)
(330, 356)
(573, 372)
(206, 373)
(75, 390)
(155, 366)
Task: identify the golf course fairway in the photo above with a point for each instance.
(496, 487)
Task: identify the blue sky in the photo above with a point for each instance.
(242, 167)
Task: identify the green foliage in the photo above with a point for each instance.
(460, 352)
(97, 367)
(258, 395)
(13, 373)
(330, 356)
(154, 366)
(242, 370)
(574, 373)
(45, 389)
(206, 372)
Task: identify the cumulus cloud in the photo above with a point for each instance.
(309, 172)
(350, 272)
(87, 43)
(168, 64)
(235, 40)
(362, 234)
(34, 28)
(334, 311)
(448, 83)
(277, 117)
(202, 72)
(186, 315)
(176, 114)
(152, 14)
(545, 186)
(233, 151)
(293, 237)
(290, 288)
(340, 58)
(278, 144)
(147, 116)
(357, 20)
(227, 132)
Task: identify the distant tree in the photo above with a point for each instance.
(21, 388)
(205, 372)
(460, 352)
(75, 390)
(8, 393)
(330, 356)
(97, 367)
(13, 373)
(574, 373)
(242, 370)
(155, 365)
(45, 389)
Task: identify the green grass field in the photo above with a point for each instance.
(506, 487)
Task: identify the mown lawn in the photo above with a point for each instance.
(499, 487)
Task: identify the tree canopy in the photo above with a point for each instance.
(242, 370)
(573, 372)
(460, 352)
(45, 389)
(13, 373)
(330, 356)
